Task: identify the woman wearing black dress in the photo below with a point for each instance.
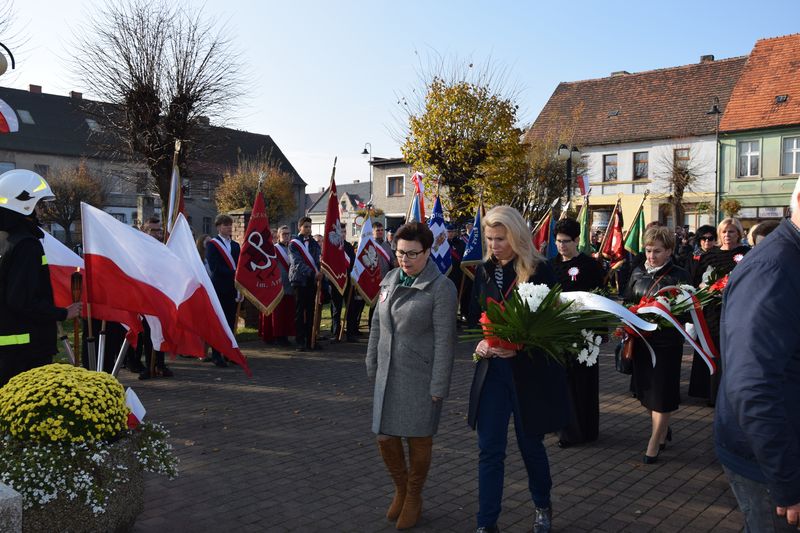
(577, 272)
(657, 387)
(721, 260)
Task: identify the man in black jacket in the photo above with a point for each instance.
(757, 423)
(28, 316)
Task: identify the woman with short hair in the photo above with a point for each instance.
(410, 358)
(526, 384)
(657, 386)
(575, 271)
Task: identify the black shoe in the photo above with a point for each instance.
(490, 529)
(564, 444)
(144, 374)
(220, 362)
(542, 519)
(648, 460)
(165, 371)
(301, 349)
(663, 445)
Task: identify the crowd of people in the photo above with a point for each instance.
(413, 334)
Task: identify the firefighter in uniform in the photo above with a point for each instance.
(28, 316)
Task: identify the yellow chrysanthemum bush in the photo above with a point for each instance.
(61, 402)
(64, 437)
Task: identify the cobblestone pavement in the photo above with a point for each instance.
(290, 449)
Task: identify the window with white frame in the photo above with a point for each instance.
(749, 156)
(395, 185)
(186, 185)
(205, 188)
(610, 167)
(791, 156)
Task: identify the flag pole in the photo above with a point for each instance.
(343, 317)
(641, 207)
(541, 220)
(318, 297)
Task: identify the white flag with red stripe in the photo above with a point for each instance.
(62, 263)
(130, 270)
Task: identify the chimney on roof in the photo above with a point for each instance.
(76, 95)
(356, 181)
(618, 73)
(204, 121)
(707, 58)
(35, 89)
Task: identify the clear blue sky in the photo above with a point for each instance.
(325, 75)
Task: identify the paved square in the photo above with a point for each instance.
(290, 449)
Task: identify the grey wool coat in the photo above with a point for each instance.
(411, 351)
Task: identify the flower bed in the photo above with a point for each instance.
(65, 447)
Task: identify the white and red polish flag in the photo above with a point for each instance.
(62, 263)
(127, 269)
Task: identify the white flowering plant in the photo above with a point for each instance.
(535, 317)
(63, 435)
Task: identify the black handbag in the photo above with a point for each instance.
(623, 356)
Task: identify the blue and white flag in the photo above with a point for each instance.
(414, 212)
(440, 251)
(473, 253)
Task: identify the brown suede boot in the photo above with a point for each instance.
(419, 460)
(395, 459)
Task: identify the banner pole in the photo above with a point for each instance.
(120, 357)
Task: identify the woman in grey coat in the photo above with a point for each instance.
(410, 358)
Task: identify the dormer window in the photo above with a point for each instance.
(614, 113)
(781, 98)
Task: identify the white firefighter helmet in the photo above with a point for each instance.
(21, 190)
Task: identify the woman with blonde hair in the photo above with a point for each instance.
(657, 386)
(527, 385)
(718, 262)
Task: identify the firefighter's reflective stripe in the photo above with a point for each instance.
(12, 340)
(44, 260)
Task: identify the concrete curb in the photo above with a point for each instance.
(10, 510)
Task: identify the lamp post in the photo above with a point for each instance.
(368, 152)
(4, 61)
(716, 111)
(572, 156)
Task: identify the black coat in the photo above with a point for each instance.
(540, 383)
(222, 275)
(26, 305)
(589, 275)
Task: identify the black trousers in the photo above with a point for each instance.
(145, 346)
(337, 302)
(304, 313)
(354, 315)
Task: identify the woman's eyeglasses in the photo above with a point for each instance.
(411, 254)
(708, 238)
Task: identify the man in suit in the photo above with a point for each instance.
(304, 256)
(222, 254)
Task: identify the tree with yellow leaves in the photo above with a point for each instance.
(238, 188)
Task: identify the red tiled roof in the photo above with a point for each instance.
(657, 104)
(772, 69)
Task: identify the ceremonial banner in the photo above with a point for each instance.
(334, 261)
(634, 242)
(584, 239)
(258, 273)
(440, 251)
(473, 253)
(544, 239)
(62, 263)
(613, 246)
(419, 193)
(583, 184)
(366, 272)
(169, 283)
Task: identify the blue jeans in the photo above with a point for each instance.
(498, 401)
(756, 504)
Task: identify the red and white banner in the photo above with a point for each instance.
(258, 274)
(334, 261)
(62, 263)
(166, 282)
(8, 119)
(366, 272)
(583, 184)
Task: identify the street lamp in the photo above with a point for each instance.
(4, 61)
(716, 111)
(368, 152)
(572, 156)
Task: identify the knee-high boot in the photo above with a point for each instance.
(419, 460)
(395, 459)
